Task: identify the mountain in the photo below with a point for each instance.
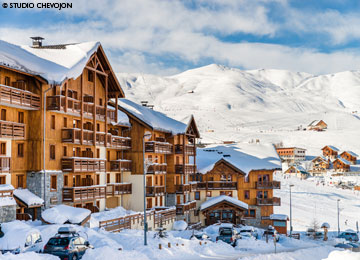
(266, 104)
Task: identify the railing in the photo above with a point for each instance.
(18, 97)
(80, 194)
(158, 147)
(268, 185)
(12, 129)
(217, 185)
(6, 193)
(5, 164)
(181, 209)
(193, 186)
(120, 165)
(189, 149)
(157, 169)
(23, 216)
(113, 189)
(185, 169)
(152, 191)
(58, 103)
(78, 164)
(118, 142)
(182, 188)
(274, 201)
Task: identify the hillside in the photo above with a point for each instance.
(270, 105)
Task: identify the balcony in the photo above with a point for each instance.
(268, 201)
(217, 185)
(158, 147)
(114, 189)
(82, 164)
(12, 130)
(120, 166)
(157, 169)
(5, 164)
(185, 169)
(19, 98)
(83, 194)
(152, 191)
(182, 188)
(57, 103)
(189, 149)
(118, 142)
(268, 185)
(182, 209)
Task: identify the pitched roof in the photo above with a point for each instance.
(245, 157)
(351, 153)
(223, 198)
(321, 157)
(331, 147)
(343, 160)
(315, 122)
(153, 119)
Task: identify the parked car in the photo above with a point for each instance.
(349, 235)
(200, 236)
(248, 231)
(67, 244)
(310, 232)
(228, 235)
(271, 233)
(20, 238)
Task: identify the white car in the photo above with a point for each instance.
(19, 238)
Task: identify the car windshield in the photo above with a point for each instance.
(63, 241)
(226, 232)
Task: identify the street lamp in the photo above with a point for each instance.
(146, 136)
(338, 215)
(291, 227)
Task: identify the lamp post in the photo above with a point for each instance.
(146, 136)
(338, 216)
(291, 227)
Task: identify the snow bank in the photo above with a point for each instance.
(348, 255)
(180, 225)
(28, 197)
(215, 200)
(65, 214)
(27, 256)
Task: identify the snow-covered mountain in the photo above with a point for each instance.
(270, 105)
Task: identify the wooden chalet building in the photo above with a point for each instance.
(341, 165)
(297, 171)
(319, 165)
(291, 154)
(330, 152)
(317, 125)
(169, 157)
(349, 156)
(243, 172)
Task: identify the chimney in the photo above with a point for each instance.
(36, 41)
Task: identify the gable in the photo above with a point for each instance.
(224, 167)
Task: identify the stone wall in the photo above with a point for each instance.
(35, 183)
(7, 213)
(254, 221)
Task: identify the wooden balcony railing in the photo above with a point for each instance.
(157, 169)
(83, 194)
(120, 165)
(182, 188)
(113, 189)
(185, 169)
(5, 164)
(274, 201)
(268, 185)
(182, 209)
(118, 142)
(18, 97)
(158, 147)
(152, 191)
(12, 129)
(58, 103)
(82, 164)
(217, 185)
(189, 149)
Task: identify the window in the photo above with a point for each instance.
(118, 155)
(65, 151)
(65, 122)
(3, 114)
(53, 182)
(52, 122)
(118, 178)
(98, 179)
(208, 194)
(2, 180)
(251, 213)
(161, 201)
(2, 148)
(90, 76)
(20, 150)
(197, 195)
(52, 152)
(227, 193)
(21, 117)
(161, 180)
(247, 194)
(20, 181)
(97, 153)
(108, 178)
(7, 81)
(156, 180)
(100, 102)
(108, 156)
(66, 180)
(98, 127)
(149, 203)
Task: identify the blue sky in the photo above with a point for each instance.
(167, 37)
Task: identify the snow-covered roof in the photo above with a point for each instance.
(352, 153)
(343, 160)
(154, 119)
(315, 122)
(53, 64)
(215, 200)
(279, 217)
(122, 119)
(7, 201)
(321, 157)
(109, 214)
(332, 148)
(61, 214)
(6, 187)
(245, 157)
(299, 168)
(29, 198)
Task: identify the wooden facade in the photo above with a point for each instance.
(330, 152)
(341, 165)
(349, 156)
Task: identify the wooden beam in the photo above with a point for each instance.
(66, 97)
(94, 111)
(82, 107)
(116, 105)
(95, 70)
(105, 104)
